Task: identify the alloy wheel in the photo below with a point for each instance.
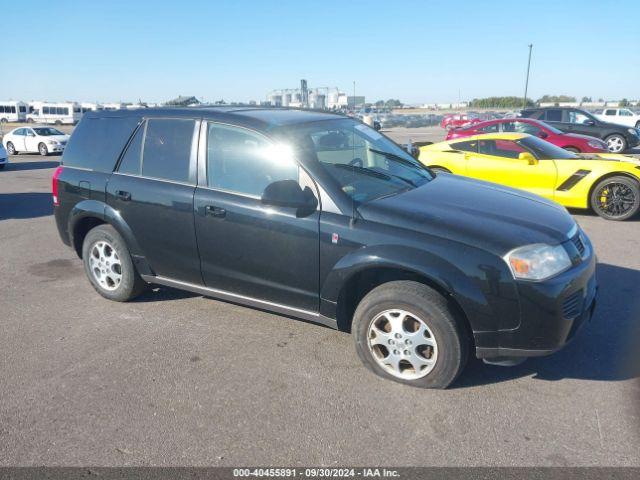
(615, 199)
(11, 150)
(402, 344)
(105, 265)
(615, 144)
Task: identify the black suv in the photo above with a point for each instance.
(320, 217)
(573, 120)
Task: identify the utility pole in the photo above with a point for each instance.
(526, 84)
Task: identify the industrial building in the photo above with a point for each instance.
(329, 98)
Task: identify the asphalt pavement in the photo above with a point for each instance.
(174, 378)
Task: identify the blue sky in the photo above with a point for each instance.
(418, 51)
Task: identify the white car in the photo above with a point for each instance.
(4, 157)
(42, 140)
(621, 116)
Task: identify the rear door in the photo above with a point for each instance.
(19, 139)
(251, 250)
(497, 161)
(152, 190)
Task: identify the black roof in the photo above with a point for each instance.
(256, 117)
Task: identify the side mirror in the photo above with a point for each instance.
(529, 158)
(543, 135)
(289, 194)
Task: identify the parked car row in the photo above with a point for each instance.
(608, 128)
(569, 141)
(608, 184)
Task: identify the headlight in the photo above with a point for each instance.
(538, 261)
(633, 131)
(596, 144)
(52, 142)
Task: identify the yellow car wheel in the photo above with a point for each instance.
(616, 198)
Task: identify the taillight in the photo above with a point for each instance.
(54, 185)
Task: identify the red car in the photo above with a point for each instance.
(455, 120)
(568, 141)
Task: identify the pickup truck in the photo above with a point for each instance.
(621, 116)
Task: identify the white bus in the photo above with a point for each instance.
(112, 106)
(13, 111)
(90, 107)
(56, 113)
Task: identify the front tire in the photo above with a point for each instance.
(616, 143)
(616, 198)
(43, 150)
(405, 331)
(11, 149)
(108, 265)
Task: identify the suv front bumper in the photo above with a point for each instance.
(551, 313)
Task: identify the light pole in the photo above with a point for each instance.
(526, 84)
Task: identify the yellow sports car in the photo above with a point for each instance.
(607, 183)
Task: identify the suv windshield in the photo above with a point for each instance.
(545, 150)
(365, 164)
(47, 132)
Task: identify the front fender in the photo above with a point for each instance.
(477, 281)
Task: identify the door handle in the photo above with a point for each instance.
(217, 212)
(122, 195)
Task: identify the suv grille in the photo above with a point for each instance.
(579, 244)
(572, 305)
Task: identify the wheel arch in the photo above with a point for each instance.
(604, 177)
(88, 214)
(362, 271)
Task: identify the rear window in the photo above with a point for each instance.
(96, 143)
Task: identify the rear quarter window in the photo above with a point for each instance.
(96, 143)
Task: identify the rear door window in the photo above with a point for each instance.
(553, 115)
(167, 150)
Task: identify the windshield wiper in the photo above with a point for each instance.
(375, 173)
(394, 156)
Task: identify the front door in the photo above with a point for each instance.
(581, 123)
(497, 161)
(153, 190)
(246, 248)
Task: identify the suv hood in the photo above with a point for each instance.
(480, 214)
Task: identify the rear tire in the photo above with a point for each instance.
(108, 265)
(11, 149)
(616, 198)
(3, 120)
(43, 150)
(58, 122)
(404, 331)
